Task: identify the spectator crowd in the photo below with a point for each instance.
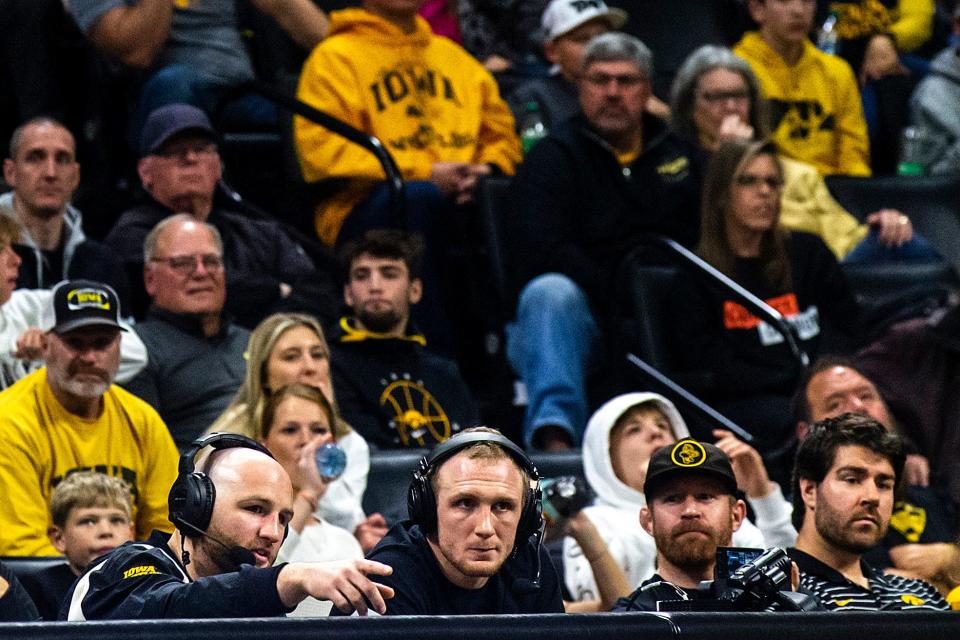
(195, 383)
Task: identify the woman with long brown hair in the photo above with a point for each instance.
(753, 370)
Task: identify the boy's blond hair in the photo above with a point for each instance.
(9, 231)
(85, 490)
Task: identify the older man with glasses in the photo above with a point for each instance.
(180, 168)
(196, 358)
(585, 198)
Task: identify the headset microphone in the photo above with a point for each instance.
(238, 555)
(525, 586)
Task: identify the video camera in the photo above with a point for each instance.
(744, 580)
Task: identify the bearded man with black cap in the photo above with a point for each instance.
(691, 509)
(69, 416)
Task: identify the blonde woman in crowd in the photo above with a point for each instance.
(287, 348)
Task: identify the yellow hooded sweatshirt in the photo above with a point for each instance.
(815, 103)
(422, 95)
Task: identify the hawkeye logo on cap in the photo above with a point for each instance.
(688, 453)
(80, 299)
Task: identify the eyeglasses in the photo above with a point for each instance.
(186, 265)
(750, 180)
(713, 97)
(627, 80)
(181, 151)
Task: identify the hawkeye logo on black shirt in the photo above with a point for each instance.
(415, 414)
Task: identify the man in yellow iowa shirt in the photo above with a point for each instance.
(69, 416)
(817, 116)
(435, 108)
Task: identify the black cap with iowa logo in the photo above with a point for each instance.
(81, 303)
(688, 457)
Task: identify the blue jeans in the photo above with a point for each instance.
(871, 251)
(179, 83)
(550, 346)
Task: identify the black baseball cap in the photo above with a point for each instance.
(81, 303)
(689, 457)
(169, 120)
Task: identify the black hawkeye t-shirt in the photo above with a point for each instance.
(422, 589)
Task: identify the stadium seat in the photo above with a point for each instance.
(25, 565)
(933, 204)
(389, 478)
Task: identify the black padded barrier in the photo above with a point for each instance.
(626, 626)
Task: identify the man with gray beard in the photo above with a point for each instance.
(691, 510)
(69, 416)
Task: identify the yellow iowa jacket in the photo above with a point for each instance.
(815, 105)
(422, 95)
(806, 205)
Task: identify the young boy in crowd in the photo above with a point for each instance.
(91, 515)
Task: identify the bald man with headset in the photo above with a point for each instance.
(472, 543)
(231, 519)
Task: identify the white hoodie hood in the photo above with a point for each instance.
(597, 466)
(616, 510)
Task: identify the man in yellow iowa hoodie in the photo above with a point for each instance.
(435, 108)
(815, 102)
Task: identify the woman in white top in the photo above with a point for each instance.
(298, 420)
(287, 348)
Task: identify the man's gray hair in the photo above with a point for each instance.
(683, 94)
(150, 243)
(616, 46)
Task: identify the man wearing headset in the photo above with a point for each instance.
(471, 545)
(231, 519)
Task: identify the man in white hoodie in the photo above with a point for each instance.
(620, 439)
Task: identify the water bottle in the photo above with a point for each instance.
(911, 153)
(533, 129)
(827, 38)
(331, 461)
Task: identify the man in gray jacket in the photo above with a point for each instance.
(935, 109)
(44, 173)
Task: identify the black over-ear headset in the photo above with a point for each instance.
(192, 495)
(422, 503)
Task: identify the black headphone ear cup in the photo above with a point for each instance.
(421, 505)
(531, 516)
(191, 500)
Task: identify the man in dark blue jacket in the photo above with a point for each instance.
(222, 568)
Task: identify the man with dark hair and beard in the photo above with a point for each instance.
(844, 480)
(389, 387)
(691, 510)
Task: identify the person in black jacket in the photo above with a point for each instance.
(584, 198)
(180, 168)
(472, 543)
(15, 602)
(752, 370)
(231, 519)
(390, 388)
